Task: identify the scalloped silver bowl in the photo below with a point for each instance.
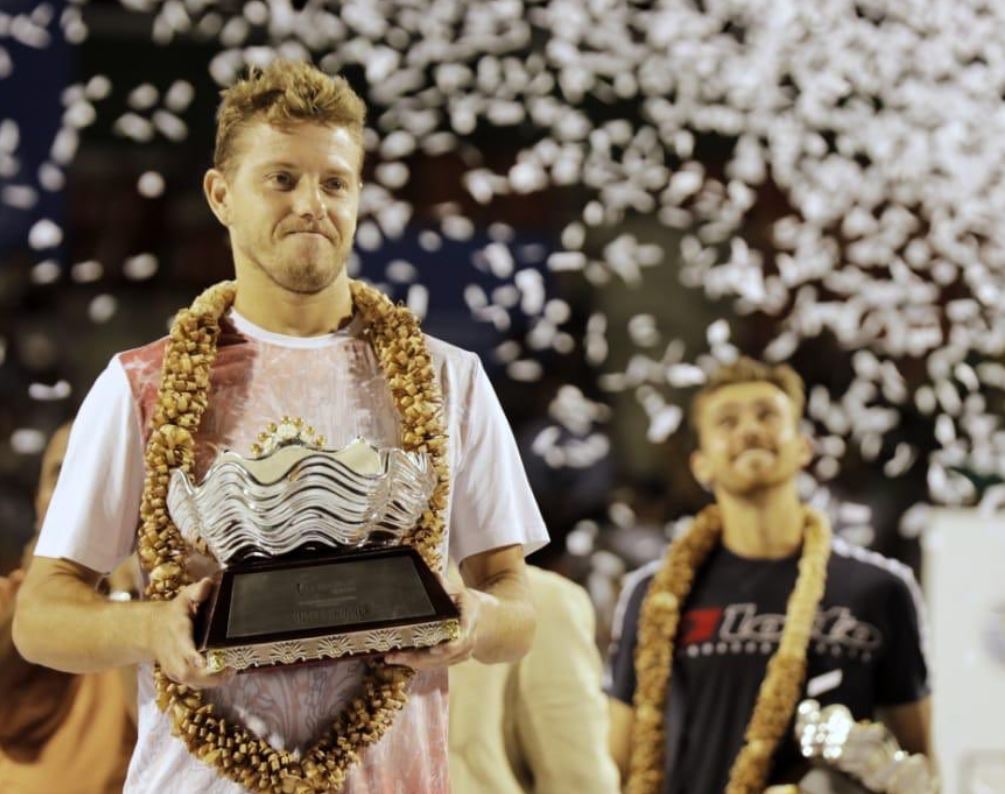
(298, 494)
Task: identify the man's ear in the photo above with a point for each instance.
(701, 470)
(217, 190)
(805, 450)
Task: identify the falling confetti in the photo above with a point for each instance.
(878, 126)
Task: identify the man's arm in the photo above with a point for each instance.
(622, 719)
(62, 622)
(911, 724)
(497, 614)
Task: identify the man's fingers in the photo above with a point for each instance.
(192, 671)
(199, 591)
(446, 653)
(404, 658)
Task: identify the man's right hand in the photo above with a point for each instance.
(172, 643)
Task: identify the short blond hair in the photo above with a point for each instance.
(282, 94)
(749, 370)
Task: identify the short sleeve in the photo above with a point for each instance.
(94, 511)
(621, 672)
(902, 672)
(492, 502)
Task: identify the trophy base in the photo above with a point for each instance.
(306, 608)
(828, 781)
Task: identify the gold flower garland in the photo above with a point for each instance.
(783, 681)
(233, 750)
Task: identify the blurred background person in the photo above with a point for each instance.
(755, 607)
(539, 725)
(71, 734)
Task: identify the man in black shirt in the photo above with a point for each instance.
(865, 646)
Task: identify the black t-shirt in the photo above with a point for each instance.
(866, 651)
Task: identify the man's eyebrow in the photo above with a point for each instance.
(337, 170)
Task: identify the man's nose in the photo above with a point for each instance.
(749, 428)
(309, 199)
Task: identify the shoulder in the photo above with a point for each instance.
(452, 358)
(152, 351)
(143, 364)
(633, 589)
(872, 573)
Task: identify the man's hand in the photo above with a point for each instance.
(455, 651)
(171, 639)
(9, 585)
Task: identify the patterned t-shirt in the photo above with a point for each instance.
(334, 383)
(866, 651)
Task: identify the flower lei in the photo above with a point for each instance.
(782, 684)
(232, 749)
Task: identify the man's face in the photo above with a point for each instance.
(289, 200)
(749, 439)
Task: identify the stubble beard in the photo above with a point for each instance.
(306, 278)
(304, 275)
(748, 484)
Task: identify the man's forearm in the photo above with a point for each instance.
(68, 626)
(506, 618)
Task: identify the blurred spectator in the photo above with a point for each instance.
(539, 725)
(71, 734)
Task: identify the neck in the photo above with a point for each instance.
(767, 524)
(264, 303)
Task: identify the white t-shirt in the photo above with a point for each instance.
(334, 383)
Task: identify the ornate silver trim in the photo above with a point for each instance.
(332, 646)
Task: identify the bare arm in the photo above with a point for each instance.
(911, 724)
(622, 718)
(63, 623)
(497, 614)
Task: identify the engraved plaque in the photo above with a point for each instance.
(335, 594)
(309, 606)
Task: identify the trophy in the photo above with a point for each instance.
(856, 757)
(309, 541)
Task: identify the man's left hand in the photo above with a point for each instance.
(447, 653)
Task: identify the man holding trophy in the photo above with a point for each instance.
(292, 464)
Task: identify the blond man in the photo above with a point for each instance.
(286, 185)
(754, 607)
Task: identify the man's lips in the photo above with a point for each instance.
(750, 450)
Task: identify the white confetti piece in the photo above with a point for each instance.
(150, 184)
(27, 441)
(44, 234)
(140, 267)
(102, 308)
